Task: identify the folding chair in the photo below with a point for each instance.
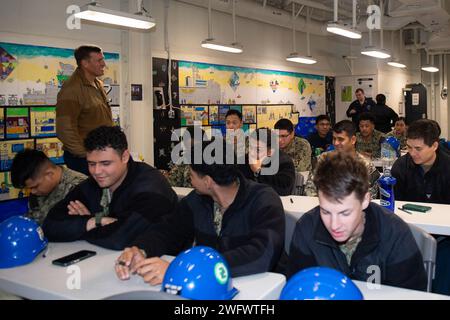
(290, 221)
(299, 184)
(427, 246)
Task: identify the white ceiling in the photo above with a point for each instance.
(430, 16)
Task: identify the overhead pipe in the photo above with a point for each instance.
(249, 10)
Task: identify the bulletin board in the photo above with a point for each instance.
(253, 115)
(43, 121)
(30, 79)
(26, 127)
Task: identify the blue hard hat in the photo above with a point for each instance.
(298, 130)
(21, 240)
(320, 283)
(331, 147)
(199, 273)
(393, 142)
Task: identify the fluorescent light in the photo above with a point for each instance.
(344, 31)
(99, 14)
(295, 57)
(376, 52)
(396, 64)
(429, 68)
(212, 44)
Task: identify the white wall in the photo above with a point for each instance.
(265, 46)
(43, 22)
(438, 108)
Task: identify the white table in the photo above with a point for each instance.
(435, 221)
(42, 280)
(394, 293)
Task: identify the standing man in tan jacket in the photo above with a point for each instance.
(82, 105)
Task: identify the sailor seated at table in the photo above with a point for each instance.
(368, 140)
(47, 182)
(242, 219)
(423, 175)
(344, 140)
(349, 233)
(120, 200)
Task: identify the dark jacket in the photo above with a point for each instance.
(142, 199)
(367, 106)
(385, 117)
(317, 141)
(282, 181)
(387, 242)
(252, 234)
(414, 185)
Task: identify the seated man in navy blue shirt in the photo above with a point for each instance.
(242, 219)
(423, 174)
(117, 203)
(323, 138)
(349, 233)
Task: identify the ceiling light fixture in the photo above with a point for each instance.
(343, 30)
(295, 56)
(95, 12)
(214, 45)
(429, 68)
(211, 43)
(373, 51)
(396, 62)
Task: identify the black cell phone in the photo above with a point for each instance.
(74, 258)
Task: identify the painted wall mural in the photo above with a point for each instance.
(33, 75)
(30, 78)
(202, 83)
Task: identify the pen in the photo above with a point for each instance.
(292, 201)
(405, 210)
(46, 252)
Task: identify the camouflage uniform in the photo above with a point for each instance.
(374, 174)
(300, 151)
(348, 248)
(373, 146)
(179, 175)
(401, 138)
(41, 205)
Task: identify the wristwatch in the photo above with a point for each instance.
(98, 220)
